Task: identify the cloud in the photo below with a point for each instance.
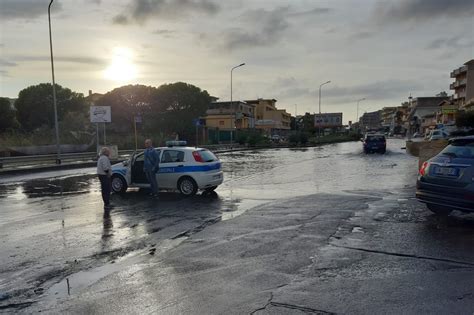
(262, 27)
(454, 42)
(4, 65)
(140, 11)
(70, 59)
(376, 91)
(312, 12)
(361, 35)
(422, 10)
(120, 19)
(26, 9)
(164, 32)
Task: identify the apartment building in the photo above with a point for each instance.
(269, 118)
(370, 121)
(463, 86)
(228, 116)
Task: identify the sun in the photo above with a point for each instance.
(121, 68)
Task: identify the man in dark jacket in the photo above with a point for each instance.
(151, 166)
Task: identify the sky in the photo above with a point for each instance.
(379, 50)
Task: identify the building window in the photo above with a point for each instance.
(221, 123)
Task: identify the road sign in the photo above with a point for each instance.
(101, 114)
(138, 119)
(197, 122)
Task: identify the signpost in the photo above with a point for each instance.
(197, 123)
(136, 119)
(100, 114)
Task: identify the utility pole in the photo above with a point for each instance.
(319, 124)
(232, 113)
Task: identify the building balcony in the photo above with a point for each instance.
(458, 71)
(457, 84)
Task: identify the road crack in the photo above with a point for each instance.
(265, 306)
(373, 251)
(300, 308)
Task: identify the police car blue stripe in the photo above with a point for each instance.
(190, 169)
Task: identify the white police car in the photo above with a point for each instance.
(182, 168)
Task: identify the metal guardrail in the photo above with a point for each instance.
(65, 157)
(29, 160)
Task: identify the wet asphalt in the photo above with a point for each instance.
(316, 230)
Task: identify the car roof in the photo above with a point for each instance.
(182, 148)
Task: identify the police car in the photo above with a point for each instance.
(182, 168)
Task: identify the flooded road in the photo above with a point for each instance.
(290, 229)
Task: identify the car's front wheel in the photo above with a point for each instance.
(119, 185)
(187, 186)
(439, 210)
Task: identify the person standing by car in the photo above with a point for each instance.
(104, 171)
(151, 166)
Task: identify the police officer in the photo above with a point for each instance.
(151, 166)
(104, 171)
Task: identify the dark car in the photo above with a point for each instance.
(374, 142)
(445, 182)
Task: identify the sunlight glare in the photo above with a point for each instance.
(121, 68)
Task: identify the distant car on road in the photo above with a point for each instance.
(374, 142)
(185, 169)
(446, 181)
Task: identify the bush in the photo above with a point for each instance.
(294, 139)
(303, 138)
(242, 138)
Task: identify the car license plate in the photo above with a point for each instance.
(445, 171)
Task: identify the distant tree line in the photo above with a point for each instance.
(167, 109)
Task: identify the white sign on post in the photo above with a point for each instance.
(101, 114)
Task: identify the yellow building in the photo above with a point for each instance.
(268, 117)
(228, 116)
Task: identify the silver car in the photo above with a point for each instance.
(446, 181)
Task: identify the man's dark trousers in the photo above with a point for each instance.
(105, 187)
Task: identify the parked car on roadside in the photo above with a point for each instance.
(437, 134)
(446, 181)
(374, 142)
(185, 169)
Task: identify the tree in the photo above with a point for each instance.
(177, 104)
(35, 108)
(128, 101)
(7, 115)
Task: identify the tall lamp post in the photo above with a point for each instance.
(319, 123)
(58, 148)
(232, 104)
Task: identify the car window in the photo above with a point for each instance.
(460, 149)
(172, 156)
(140, 157)
(375, 138)
(207, 156)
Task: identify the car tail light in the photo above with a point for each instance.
(197, 156)
(423, 168)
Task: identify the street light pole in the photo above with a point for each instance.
(319, 124)
(232, 104)
(58, 148)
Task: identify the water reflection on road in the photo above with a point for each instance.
(53, 224)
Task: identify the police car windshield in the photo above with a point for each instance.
(207, 156)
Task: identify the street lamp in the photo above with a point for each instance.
(231, 103)
(58, 149)
(319, 123)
